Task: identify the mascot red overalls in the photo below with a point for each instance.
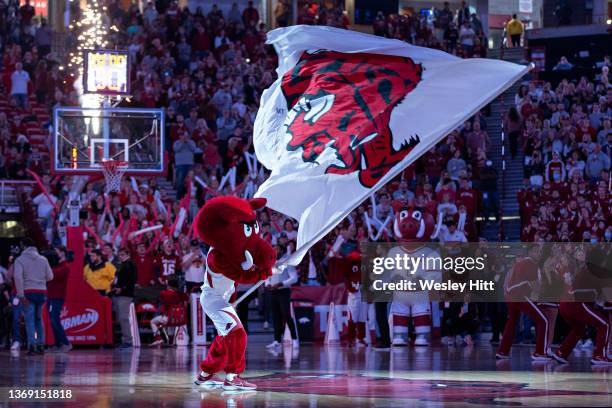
(411, 227)
(237, 255)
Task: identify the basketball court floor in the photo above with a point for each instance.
(313, 376)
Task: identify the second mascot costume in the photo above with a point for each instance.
(412, 228)
(237, 255)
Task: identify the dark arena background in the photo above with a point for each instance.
(120, 120)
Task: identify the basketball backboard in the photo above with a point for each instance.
(85, 137)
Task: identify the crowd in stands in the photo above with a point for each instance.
(564, 131)
(208, 71)
(458, 32)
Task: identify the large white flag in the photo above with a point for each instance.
(349, 111)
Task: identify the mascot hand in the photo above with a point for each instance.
(278, 268)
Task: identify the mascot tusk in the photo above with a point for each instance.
(396, 230)
(248, 263)
(421, 232)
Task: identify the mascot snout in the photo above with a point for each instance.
(260, 254)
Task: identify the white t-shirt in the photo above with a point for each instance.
(43, 205)
(19, 82)
(195, 271)
(291, 235)
(457, 236)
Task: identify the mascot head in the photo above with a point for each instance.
(229, 224)
(412, 225)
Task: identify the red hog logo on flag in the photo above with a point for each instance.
(344, 101)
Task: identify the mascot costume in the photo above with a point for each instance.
(411, 228)
(357, 307)
(237, 255)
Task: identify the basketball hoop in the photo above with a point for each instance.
(113, 171)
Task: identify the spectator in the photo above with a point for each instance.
(250, 16)
(488, 185)
(184, 150)
(563, 65)
(456, 166)
(144, 265)
(514, 27)
(226, 125)
(402, 192)
(477, 139)
(167, 263)
(44, 36)
(32, 272)
(451, 36)
(99, 273)
(443, 19)
(597, 162)
(5, 296)
(450, 233)
(603, 136)
(26, 12)
(150, 14)
(108, 253)
(57, 294)
(193, 263)
(463, 14)
(466, 39)
(45, 207)
(172, 310)
(123, 295)
(18, 308)
(279, 284)
(282, 13)
(512, 126)
(20, 80)
(234, 16)
(476, 25)
(555, 169)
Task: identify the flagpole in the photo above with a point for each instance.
(279, 266)
(248, 292)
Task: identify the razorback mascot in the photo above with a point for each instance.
(358, 308)
(237, 255)
(411, 228)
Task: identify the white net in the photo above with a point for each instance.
(113, 171)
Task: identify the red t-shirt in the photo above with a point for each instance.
(56, 288)
(467, 197)
(168, 264)
(144, 268)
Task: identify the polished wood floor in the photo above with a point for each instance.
(312, 376)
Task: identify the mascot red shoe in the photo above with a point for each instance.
(237, 255)
(411, 228)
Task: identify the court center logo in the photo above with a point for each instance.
(363, 386)
(344, 101)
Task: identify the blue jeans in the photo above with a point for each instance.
(181, 173)
(54, 306)
(21, 100)
(17, 312)
(33, 319)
